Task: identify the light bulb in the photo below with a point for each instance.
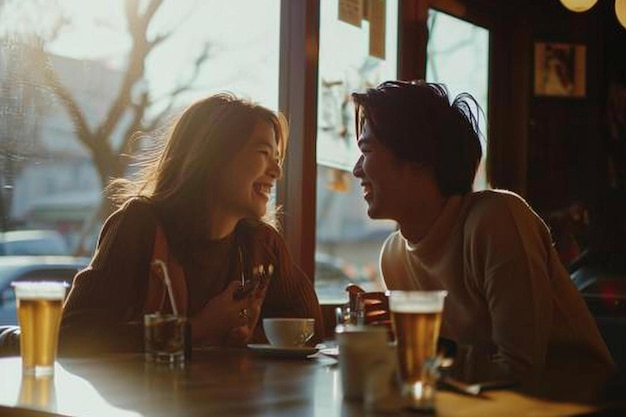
(578, 5)
(620, 12)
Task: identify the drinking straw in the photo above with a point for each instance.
(168, 284)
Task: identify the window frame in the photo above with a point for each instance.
(296, 192)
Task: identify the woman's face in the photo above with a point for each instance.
(247, 179)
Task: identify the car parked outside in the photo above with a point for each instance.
(32, 268)
(32, 242)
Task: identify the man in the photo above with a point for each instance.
(511, 306)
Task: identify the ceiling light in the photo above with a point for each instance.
(579, 5)
(620, 11)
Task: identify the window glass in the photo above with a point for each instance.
(458, 56)
(76, 83)
(348, 242)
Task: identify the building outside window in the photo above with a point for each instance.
(458, 56)
(357, 50)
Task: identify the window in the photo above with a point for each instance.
(64, 71)
(458, 56)
(350, 59)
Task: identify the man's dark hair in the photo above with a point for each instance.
(419, 124)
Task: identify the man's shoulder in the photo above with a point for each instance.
(494, 208)
(394, 243)
(493, 201)
(493, 196)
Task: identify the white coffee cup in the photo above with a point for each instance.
(288, 332)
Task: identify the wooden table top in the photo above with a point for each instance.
(223, 382)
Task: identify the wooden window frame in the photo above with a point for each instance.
(296, 192)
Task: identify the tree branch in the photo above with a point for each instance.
(51, 78)
(182, 87)
(138, 24)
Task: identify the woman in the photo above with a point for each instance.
(511, 307)
(197, 208)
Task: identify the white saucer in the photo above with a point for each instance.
(285, 352)
(333, 352)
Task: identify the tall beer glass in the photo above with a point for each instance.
(416, 318)
(39, 306)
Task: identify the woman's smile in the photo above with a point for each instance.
(263, 188)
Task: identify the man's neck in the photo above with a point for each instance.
(419, 219)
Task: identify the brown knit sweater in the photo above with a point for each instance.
(103, 311)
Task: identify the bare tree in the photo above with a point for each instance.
(132, 108)
(132, 98)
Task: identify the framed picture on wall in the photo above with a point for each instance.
(560, 69)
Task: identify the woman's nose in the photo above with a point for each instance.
(275, 170)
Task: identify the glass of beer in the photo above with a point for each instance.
(416, 318)
(39, 306)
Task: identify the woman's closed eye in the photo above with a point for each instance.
(268, 152)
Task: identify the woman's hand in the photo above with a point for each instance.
(241, 335)
(225, 320)
(219, 316)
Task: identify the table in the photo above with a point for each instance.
(223, 382)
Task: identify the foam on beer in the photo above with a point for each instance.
(410, 306)
(44, 290)
(416, 302)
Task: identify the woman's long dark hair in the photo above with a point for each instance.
(178, 175)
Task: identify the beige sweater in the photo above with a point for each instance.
(511, 305)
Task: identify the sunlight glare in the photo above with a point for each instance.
(97, 31)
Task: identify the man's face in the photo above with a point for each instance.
(382, 177)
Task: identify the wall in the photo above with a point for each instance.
(571, 158)
(556, 152)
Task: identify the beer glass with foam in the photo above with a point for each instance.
(39, 306)
(416, 318)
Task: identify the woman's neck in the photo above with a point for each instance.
(220, 225)
(220, 231)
